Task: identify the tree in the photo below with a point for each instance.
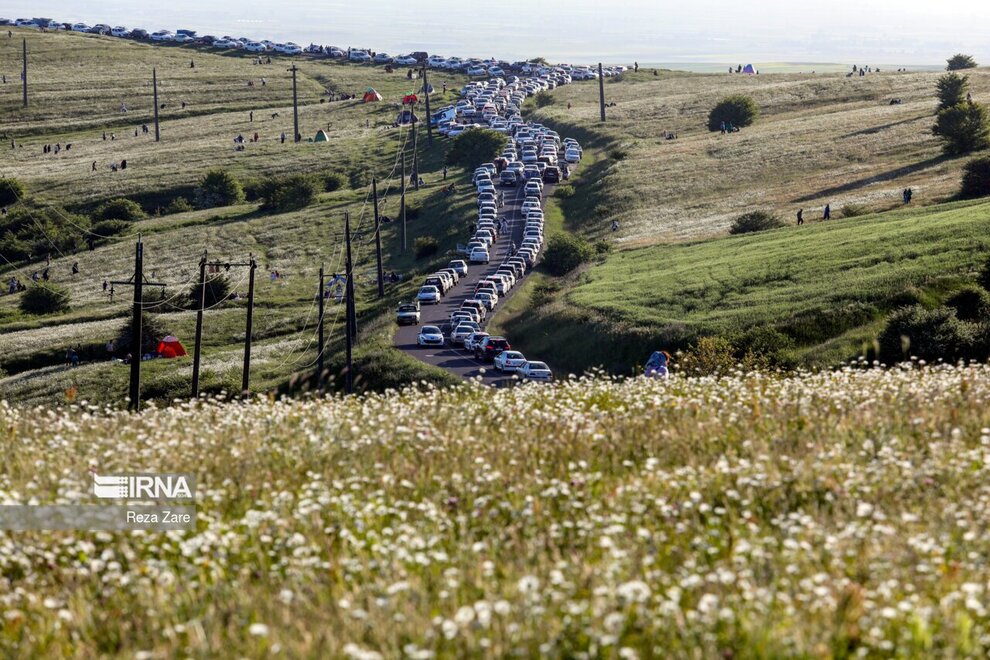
(976, 178)
(217, 290)
(566, 252)
(120, 208)
(755, 221)
(963, 128)
(960, 61)
(44, 298)
(474, 147)
(218, 188)
(544, 98)
(951, 89)
(285, 193)
(11, 190)
(740, 110)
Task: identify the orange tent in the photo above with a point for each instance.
(171, 347)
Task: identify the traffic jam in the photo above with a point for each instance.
(511, 235)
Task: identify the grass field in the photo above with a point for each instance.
(836, 514)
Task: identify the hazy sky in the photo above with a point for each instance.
(853, 31)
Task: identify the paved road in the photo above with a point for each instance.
(454, 358)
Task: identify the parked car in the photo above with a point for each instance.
(430, 335)
(479, 256)
(407, 314)
(139, 33)
(531, 370)
(382, 58)
(474, 339)
(460, 333)
(162, 35)
(119, 31)
(551, 175)
(460, 266)
(429, 294)
(507, 178)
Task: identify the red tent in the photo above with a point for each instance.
(171, 347)
(410, 99)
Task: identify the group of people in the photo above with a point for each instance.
(826, 214)
(726, 127)
(14, 285)
(49, 149)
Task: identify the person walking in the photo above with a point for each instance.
(251, 116)
(827, 214)
(800, 217)
(444, 172)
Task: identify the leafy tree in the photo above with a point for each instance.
(976, 178)
(178, 205)
(286, 193)
(153, 328)
(565, 252)
(544, 98)
(963, 128)
(28, 230)
(925, 333)
(44, 298)
(755, 221)
(11, 190)
(218, 188)
(217, 290)
(951, 89)
(740, 110)
(472, 148)
(120, 208)
(960, 61)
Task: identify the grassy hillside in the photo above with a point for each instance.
(834, 514)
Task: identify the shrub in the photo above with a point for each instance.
(768, 343)
(755, 221)
(544, 98)
(960, 61)
(928, 334)
(425, 246)
(564, 192)
(984, 278)
(153, 328)
(618, 154)
(44, 298)
(285, 193)
(854, 210)
(963, 128)
(543, 293)
(217, 291)
(218, 188)
(108, 228)
(970, 304)
(951, 90)
(413, 211)
(334, 181)
(29, 230)
(566, 252)
(472, 148)
(602, 247)
(179, 205)
(976, 178)
(712, 356)
(740, 110)
(120, 208)
(359, 177)
(11, 191)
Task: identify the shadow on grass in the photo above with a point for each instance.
(885, 176)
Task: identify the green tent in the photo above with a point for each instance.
(321, 136)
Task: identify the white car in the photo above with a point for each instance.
(182, 38)
(359, 56)
(460, 266)
(488, 298)
(76, 27)
(255, 47)
(572, 156)
(119, 31)
(406, 60)
(474, 339)
(292, 49)
(479, 256)
(430, 335)
(461, 333)
(534, 371)
(162, 35)
(429, 294)
(509, 361)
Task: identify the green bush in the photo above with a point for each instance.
(755, 221)
(120, 208)
(179, 205)
(544, 98)
(44, 298)
(602, 247)
(741, 110)
(359, 177)
(334, 181)
(108, 228)
(153, 328)
(425, 246)
(712, 356)
(976, 178)
(963, 128)
(960, 61)
(217, 291)
(543, 293)
(565, 252)
(854, 210)
(218, 188)
(970, 304)
(928, 334)
(472, 148)
(563, 192)
(29, 230)
(285, 193)
(11, 191)
(984, 278)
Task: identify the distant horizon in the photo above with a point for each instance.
(908, 33)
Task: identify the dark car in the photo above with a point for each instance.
(490, 347)
(551, 175)
(508, 178)
(139, 33)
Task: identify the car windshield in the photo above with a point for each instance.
(538, 366)
(431, 330)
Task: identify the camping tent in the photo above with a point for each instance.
(427, 89)
(406, 117)
(410, 99)
(371, 95)
(748, 69)
(321, 136)
(171, 347)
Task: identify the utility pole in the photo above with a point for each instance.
(601, 91)
(137, 349)
(320, 344)
(199, 326)
(349, 290)
(252, 264)
(429, 126)
(24, 74)
(154, 83)
(415, 172)
(402, 199)
(378, 240)
(295, 106)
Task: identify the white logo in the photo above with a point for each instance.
(143, 486)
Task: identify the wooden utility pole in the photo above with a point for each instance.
(601, 91)
(154, 83)
(197, 350)
(402, 199)
(24, 73)
(349, 291)
(320, 341)
(137, 349)
(415, 169)
(378, 239)
(297, 136)
(252, 264)
(429, 126)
